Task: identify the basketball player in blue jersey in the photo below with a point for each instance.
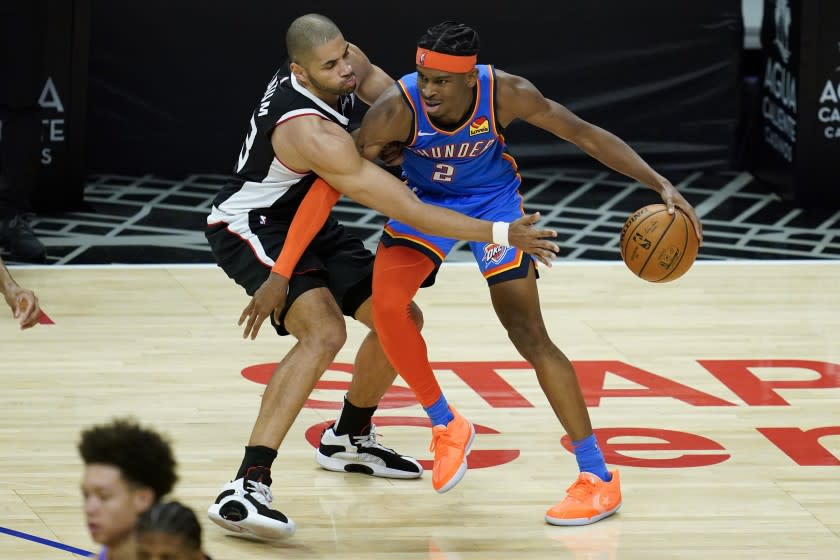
(450, 114)
(297, 136)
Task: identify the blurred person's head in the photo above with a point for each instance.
(127, 469)
(168, 531)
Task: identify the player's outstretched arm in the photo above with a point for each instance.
(519, 99)
(330, 152)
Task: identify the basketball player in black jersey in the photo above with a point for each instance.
(297, 139)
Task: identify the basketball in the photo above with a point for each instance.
(657, 246)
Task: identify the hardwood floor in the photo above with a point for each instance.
(716, 396)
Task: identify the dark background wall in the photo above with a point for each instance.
(171, 84)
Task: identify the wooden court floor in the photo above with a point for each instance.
(717, 396)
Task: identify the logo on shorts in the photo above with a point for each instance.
(263, 220)
(479, 126)
(494, 253)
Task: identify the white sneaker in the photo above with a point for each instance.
(244, 507)
(363, 454)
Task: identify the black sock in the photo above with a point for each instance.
(353, 420)
(257, 464)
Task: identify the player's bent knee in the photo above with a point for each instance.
(416, 315)
(327, 338)
(386, 309)
(316, 321)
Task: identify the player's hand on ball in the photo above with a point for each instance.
(523, 234)
(672, 198)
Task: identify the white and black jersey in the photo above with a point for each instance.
(267, 189)
(251, 216)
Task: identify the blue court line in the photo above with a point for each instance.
(41, 540)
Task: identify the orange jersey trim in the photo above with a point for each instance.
(418, 240)
(413, 108)
(514, 264)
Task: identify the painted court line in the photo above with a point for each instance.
(47, 542)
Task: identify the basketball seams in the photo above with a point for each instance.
(625, 234)
(637, 249)
(658, 241)
(630, 233)
(684, 219)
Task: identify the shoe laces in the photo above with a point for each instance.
(260, 491)
(581, 489)
(369, 440)
(441, 438)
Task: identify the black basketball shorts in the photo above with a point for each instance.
(335, 259)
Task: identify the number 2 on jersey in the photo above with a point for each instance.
(443, 173)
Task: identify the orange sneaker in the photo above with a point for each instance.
(588, 500)
(451, 444)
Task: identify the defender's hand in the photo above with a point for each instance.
(523, 235)
(269, 298)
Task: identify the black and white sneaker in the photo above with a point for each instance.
(363, 454)
(244, 507)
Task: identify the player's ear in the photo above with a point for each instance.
(472, 77)
(298, 71)
(144, 498)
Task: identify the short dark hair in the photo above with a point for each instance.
(143, 456)
(172, 518)
(307, 32)
(450, 37)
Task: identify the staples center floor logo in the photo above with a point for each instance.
(801, 446)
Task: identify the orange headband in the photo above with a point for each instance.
(457, 64)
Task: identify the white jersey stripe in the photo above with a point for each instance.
(239, 227)
(320, 102)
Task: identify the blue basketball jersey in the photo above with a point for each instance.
(471, 160)
(467, 170)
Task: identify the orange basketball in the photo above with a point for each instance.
(657, 246)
